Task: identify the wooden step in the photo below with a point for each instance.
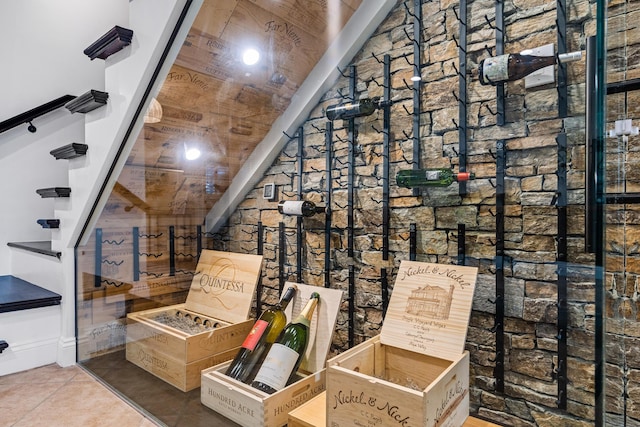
(54, 192)
(40, 247)
(70, 151)
(49, 223)
(17, 294)
(111, 42)
(88, 101)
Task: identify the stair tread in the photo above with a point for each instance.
(41, 247)
(18, 294)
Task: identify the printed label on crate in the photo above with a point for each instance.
(223, 285)
(429, 308)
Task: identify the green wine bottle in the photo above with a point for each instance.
(430, 177)
(264, 333)
(285, 355)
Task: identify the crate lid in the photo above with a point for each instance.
(224, 284)
(322, 325)
(429, 309)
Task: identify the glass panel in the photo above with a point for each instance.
(235, 74)
(622, 219)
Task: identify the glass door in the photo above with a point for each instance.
(622, 215)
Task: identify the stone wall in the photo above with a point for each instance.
(531, 218)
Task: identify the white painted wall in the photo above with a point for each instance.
(43, 43)
(42, 49)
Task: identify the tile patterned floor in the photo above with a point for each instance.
(53, 396)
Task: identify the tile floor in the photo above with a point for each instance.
(53, 396)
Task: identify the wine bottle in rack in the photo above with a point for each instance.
(348, 110)
(262, 335)
(412, 178)
(298, 208)
(514, 66)
(285, 355)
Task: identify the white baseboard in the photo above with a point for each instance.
(66, 351)
(28, 355)
(33, 336)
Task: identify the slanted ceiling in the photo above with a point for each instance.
(238, 114)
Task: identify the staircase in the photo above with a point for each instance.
(61, 192)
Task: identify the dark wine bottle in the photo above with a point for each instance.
(298, 208)
(264, 333)
(514, 66)
(285, 355)
(430, 177)
(347, 110)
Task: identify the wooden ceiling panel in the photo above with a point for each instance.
(212, 100)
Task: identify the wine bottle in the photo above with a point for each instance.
(298, 207)
(347, 110)
(514, 66)
(263, 333)
(430, 177)
(285, 355)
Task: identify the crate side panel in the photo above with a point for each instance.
(357, 400)
(447, 399)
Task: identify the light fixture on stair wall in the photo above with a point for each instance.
(154, 112)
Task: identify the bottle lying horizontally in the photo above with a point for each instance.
(514, 66)
(413, 178)
(263, 334)
(348, 110)
(284, 357)
(299, 208)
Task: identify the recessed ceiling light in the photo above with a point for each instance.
(192, 153)
(250, 56)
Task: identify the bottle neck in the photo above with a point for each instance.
(307, 312)
(287, 297)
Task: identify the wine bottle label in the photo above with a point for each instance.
(496, 69)
(432, 175)
(254, 336)
(277, 366)
(292, 207)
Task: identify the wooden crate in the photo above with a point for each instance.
(221, 291)
(416, 372)
(313, 414)
(251, 407)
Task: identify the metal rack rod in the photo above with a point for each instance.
(417, 84)
(281, 256)
(498, 326)
(98, 260)
(462, 95)
(328, 138)
(352, 160)
(461, 243)
(413, 241)
(136, 253)
(500, 96)
(260, 252)
(563, 315)
(172, 250)
(198, 241)
(561, 23)
(385, 156)
(352, 306)
(299, 159)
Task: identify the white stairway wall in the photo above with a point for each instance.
(124, 76)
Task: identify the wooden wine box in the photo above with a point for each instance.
(220, 295)
(251, 407)
(416, 372)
